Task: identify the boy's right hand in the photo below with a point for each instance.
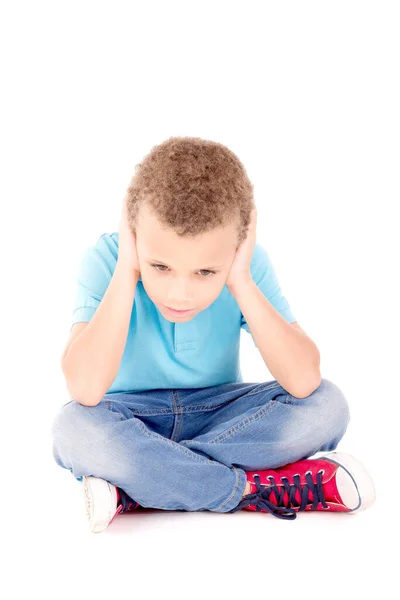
(127, 253)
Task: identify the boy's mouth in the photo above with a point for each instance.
(178, 313)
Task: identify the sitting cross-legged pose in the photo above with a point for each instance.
(159, 415)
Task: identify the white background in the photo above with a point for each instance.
(307, 95)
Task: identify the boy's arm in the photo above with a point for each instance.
(289, 353)
(92, 360)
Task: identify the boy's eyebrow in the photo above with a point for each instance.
(160, 262)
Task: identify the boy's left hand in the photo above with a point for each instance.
(240, 269)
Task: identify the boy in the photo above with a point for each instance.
(160, 416)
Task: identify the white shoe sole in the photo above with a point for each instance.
(100, 502)
(353, 481)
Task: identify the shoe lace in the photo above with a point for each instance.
(261, 497)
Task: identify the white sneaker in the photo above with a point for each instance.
(103, 502)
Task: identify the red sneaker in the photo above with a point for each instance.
(103, 502)
(336, 482)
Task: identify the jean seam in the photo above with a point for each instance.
(180, 408)
(258, 390)
(177, 446)
(168, 411)
(244, 422)
(178, 418)
(235, 489)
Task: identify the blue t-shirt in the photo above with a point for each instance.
(158, 353)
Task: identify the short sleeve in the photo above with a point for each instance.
(265, 277)
(93, 278)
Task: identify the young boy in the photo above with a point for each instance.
(160, 416)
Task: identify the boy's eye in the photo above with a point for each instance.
(201, 271)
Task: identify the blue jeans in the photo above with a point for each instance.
(188, 449)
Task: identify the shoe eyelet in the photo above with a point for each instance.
(322, 471)
(306, 473)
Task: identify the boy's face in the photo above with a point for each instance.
(182, 279)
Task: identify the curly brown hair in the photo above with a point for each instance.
(192, 185)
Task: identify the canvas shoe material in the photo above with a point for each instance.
(103, 502)
(335, 482)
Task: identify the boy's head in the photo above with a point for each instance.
(190, 203)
